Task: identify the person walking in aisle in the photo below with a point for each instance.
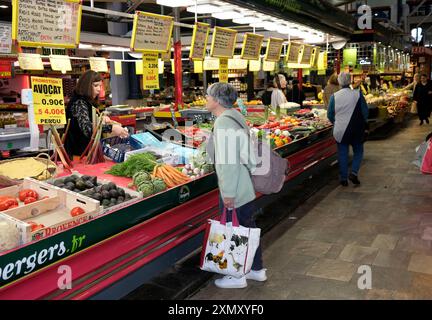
(423, 97)
(348, 111)
(233, 161)
(296, 94)
(331, 87)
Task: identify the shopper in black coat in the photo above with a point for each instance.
(296, 93)
(79, 111)
(423, 97)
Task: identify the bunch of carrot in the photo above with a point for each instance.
(170, 175)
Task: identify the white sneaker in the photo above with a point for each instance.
(259, 275)
(229, 282)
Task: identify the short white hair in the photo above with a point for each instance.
(344, 79)
(224, 93)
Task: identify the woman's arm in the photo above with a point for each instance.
(331, 110)
(81, 113)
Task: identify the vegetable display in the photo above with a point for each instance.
(7, 202)
(170, 175)
(108, 194)
(76, 183)
(147, 184)
(138, 162)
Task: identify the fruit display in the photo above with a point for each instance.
(76, 183)
(108, 194)
(199, 101)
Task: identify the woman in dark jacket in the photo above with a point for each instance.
(423, 97)
(79, 111)
(296, 94)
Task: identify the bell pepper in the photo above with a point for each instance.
(25, 193)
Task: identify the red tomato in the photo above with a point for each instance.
(29, 200)
(35, 226)
(7, 203)
(25, 193)
(76, 211)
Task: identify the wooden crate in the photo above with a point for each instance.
(53, 213)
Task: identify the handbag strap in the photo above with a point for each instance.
(223, 218)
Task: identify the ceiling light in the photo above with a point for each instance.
(3, 6)
(85, 46)
(247, 19)
(226, 15)
(266, 24)
(205, 7)
(176, 3)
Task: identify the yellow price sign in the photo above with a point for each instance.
(48, 101)
(223, 70)
(150, 70)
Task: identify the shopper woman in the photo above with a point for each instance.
(296, 94)
(233, 161)
(331, 87)
(348, 112)
(79, 111)
(423, 97)
(278, 96)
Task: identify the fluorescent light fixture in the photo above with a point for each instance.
(205, 7)
(247, 19)
(266, 24)
(176, 3)
(3, 6)
(227, 15)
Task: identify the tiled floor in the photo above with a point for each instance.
(385, 224)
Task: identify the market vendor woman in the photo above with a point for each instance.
(79, 111)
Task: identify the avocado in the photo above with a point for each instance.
(98, 189)
(97, 196)
(80, 184)
(114, 193)
(85, 177)
(113, 201)
(106, 203)
(128, 196)
(74, 177)
(70, 185)
(59, 182)
(93, 180)
(105, 194)
(69, 179)
(89, 184)
(112, 186)
(121, 192)
(105, 187)
(120, 199)
(77, 190)
(61, 185)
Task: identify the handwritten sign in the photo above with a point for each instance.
(98, 64)
(307, 55)
(48, 100)
(254, 65)
(5, 38)
(223, 70)
(60, 63)
(211, 64)
(30, 61)
(223, 42)
(252, 46)
(151, 32)
(49, 23)
(199, 41)
(274, 48)
(150, 70)
(293, 53)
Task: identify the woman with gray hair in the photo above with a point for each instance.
(348, 111)
(233, 159)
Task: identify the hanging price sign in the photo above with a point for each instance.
(48, 100)
(223, 70)
(150, 70)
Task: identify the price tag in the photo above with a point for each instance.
(98, 64)
(161, 65)
(60, 63)
(118, 70)
(48, 101)
(211, 64)
(293, 53)
(269, 65)
(198, 66)
(306, 55)
(223, 70)
(251, 49)
(274, 49)
(237, 63)
(5, 38)
(139, 67)
(30, 61)
(254, 65)
(151, 32)
(150, 70)
(199, 41)
(223, 42)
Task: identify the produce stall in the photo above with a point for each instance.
(119, 234)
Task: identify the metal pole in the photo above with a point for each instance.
(196, 9)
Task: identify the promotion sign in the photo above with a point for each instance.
(5, 38)
(252, 46)
(274, 49)
(293, 53)
(199, 41)
(223, 70)
(98, 64)
(48, 100)
(46, 23)
(151, 32)
(5, 69)
(150, 70)
(60, 63)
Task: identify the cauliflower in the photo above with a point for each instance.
(9, 236)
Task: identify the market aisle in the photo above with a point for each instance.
(385, 224)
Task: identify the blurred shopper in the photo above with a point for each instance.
(267, 94)
(331, 87)
(423, 97)
(348, 112)
(230, 158)
(278, 96)
(296, 94)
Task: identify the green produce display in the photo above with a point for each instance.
(76, 183)
(135, 163)
(108, 194)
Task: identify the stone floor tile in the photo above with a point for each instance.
(358, 254)
(310, 248)
(379, 294)
(332, 269)
(391, 279)
(414, 244)
(420, 263)
(297, 264)
(334, 251)
(385, 241)
(392, 259)
(421, 286)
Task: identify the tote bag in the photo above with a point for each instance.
(229, 248)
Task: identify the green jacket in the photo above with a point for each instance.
(232, 151)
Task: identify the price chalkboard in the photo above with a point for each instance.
(306, 54)
(274, 48)
(151, 32)
(223, 42)
(49, 23)
(199, 41)
(252, 46)
(293, 53)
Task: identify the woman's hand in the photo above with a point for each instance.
(119, 131)
(107, 120)
(229, 203)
